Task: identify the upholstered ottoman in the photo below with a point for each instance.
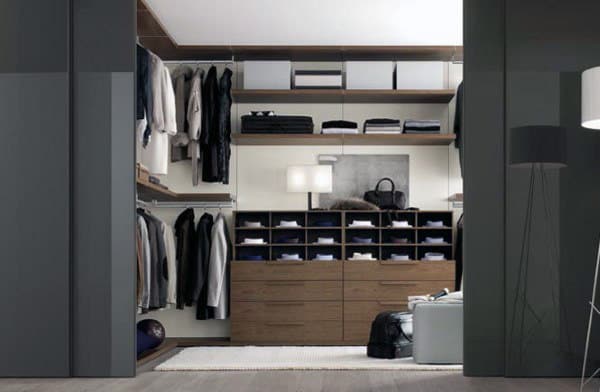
(438, 333)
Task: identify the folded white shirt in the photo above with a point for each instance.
(254, 241)
(288, 224)
(325, 240)
(288, 257)
(432, 256)
(323, 257)
(362, 256)
(361, 223)
(339, 131)
(400, 224)
(252, 224)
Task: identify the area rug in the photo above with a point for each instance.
(288, 358)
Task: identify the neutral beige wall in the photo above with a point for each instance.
(258, 174)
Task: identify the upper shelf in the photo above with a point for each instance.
(148, 192)
(349, 140)
(342, 96)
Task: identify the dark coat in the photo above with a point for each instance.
(210, 130)
(142, 86)
(185, 235)
(158, 262)
(203, 243)
(224, 134)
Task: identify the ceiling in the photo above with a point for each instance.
(309, 22)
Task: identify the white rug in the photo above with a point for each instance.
(288, 358)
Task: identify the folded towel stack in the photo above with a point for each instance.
(422, 126)
(382, 126)
(336, 127)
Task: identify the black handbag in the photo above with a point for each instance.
(391, 336)
(386, 200)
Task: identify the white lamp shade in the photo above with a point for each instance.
(590, 98)
(310, 178)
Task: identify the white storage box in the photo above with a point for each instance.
(271, 75)
(419, 75)
(372, 75)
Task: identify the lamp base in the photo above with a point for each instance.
(310, 201)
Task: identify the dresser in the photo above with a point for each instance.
(280, 293)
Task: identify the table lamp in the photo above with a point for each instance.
(310, 178)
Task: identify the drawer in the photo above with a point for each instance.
(287, 331)
(395, 270)
(357, 332)
(368, 310)
(286, 270)
(289, 311)
(274, 290)
(391, 290)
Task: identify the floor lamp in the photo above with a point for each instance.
(590, 118)
(537, 148)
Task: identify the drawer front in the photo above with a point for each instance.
(390, 290)
(368, 310)
(286, 331)
(389, 270)
(286, 291)
(286, 270)
(357, 332)
(289, 311)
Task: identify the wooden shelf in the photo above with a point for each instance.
(283, 139)
(149, 192)
(342, 96)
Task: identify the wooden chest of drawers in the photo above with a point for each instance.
(330, 302)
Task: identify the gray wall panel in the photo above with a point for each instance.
(34, 155)
(484, 188)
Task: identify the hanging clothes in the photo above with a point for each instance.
(144, 284)
(224, 135)
(142, 86)
(209, 137)
(204, 233)
(459, 127)
(181, 82)
(458, 256)
(185, 234)
(162, 120)
(158, 262)
(218, 269)
(169, 241)
(194, 118)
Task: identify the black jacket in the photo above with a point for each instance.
(142, 86)
(203, 232)
(185, 234)
(209, 137)
(224, 135)
(158, 262)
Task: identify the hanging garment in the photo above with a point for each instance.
(181, 83)
(169, 240)
(140, 265)
(458, 126)
(142, 86)
(144, 302)
(209, 136)
(224, 135)
(194, 118)
(204, 233)
(185, 234)
(458, 253)
(218, 270)
(162, 121)
(158, 264)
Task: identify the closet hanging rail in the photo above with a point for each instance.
(191, 204)
(199, 61)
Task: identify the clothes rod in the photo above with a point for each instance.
(190, 204)
(199, 61)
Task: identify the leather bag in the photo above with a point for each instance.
(386, 200)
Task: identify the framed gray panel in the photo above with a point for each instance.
(353, 175)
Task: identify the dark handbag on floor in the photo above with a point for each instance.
(391, 336)
(386, 200)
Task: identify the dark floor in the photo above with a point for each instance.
(305, 381)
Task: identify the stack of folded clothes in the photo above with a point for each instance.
(253, 123)
(336, 127)
(383, 126)
(422, 126)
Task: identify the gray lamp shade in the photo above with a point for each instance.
(538, 144)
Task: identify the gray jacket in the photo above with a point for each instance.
(218, 270)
